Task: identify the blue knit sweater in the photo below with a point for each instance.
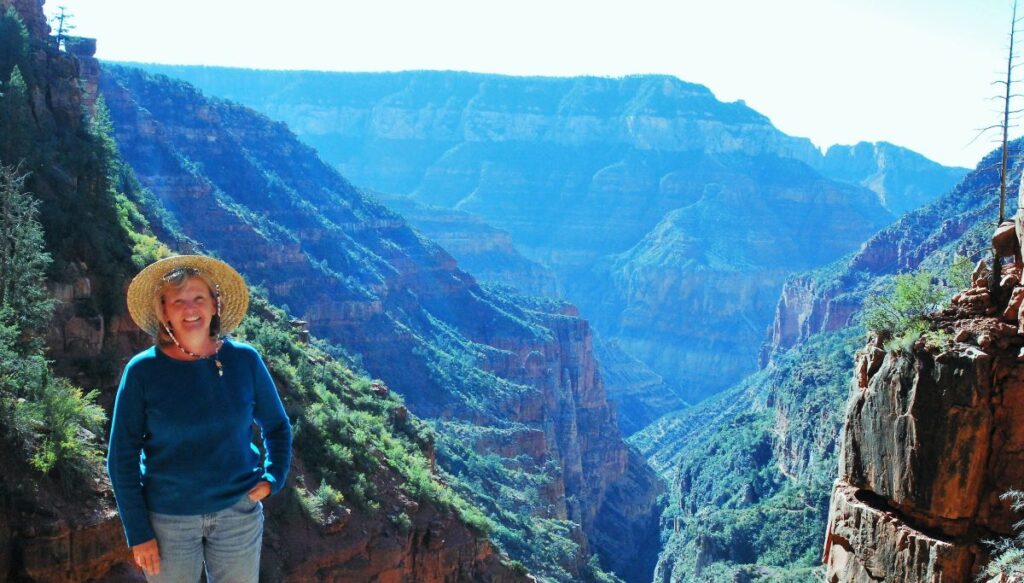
(194, 431)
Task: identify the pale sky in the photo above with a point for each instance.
(917, 73)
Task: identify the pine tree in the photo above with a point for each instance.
(16, 121)
(13, 42)
(23, 260)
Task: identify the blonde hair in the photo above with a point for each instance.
(176, 279)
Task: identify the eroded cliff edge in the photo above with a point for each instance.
(931, 442)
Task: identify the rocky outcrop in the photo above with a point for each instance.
(31, 13)
(47, 535)
(932, 440)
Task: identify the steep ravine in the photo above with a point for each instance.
(655, 205)
(752, 470)
(459, 353)
(828, 299)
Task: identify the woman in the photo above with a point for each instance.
(186, 475)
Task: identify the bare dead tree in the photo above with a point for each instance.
(1008, 86)
(1008, 116)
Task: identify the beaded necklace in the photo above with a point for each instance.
(215, 356)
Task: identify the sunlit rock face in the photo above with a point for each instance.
(583, 172)
(932, 440)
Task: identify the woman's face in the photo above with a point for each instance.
(189, 309)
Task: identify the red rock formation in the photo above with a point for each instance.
(434, 546)
(932, 440)
(807, 306)
(31, 13)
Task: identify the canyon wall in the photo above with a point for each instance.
(656, 206)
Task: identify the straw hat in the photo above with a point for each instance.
(234, 295)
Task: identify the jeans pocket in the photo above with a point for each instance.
(246, 504)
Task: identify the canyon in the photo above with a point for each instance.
(516, 402)
(670, 218)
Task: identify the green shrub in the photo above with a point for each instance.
(1007, 563)
(318, 503)
(59, 424)
(52, 421)
(402, 521)
(900, 314)
(958, 277)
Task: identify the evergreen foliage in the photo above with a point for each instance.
(70, 161)
(900, 314)
(16, 123)
(13, 41)
(53, 422)
(751, 469)
(23, 260)
(1007, 563)
(512, 493)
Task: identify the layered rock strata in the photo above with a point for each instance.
(932, 440)
(590, 177)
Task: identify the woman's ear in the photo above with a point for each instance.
(161, 314)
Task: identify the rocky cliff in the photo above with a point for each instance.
(457, 352)
(62, 525)
(932, 440)
(587, 173)
(752, 470)
(828, 299)
(31, 14)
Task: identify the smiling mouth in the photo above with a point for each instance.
(192, 319)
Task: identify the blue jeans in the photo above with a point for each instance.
(227, 541)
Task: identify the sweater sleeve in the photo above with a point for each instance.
(123, 459)
(273, 421)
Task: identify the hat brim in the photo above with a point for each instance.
(234, 294)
